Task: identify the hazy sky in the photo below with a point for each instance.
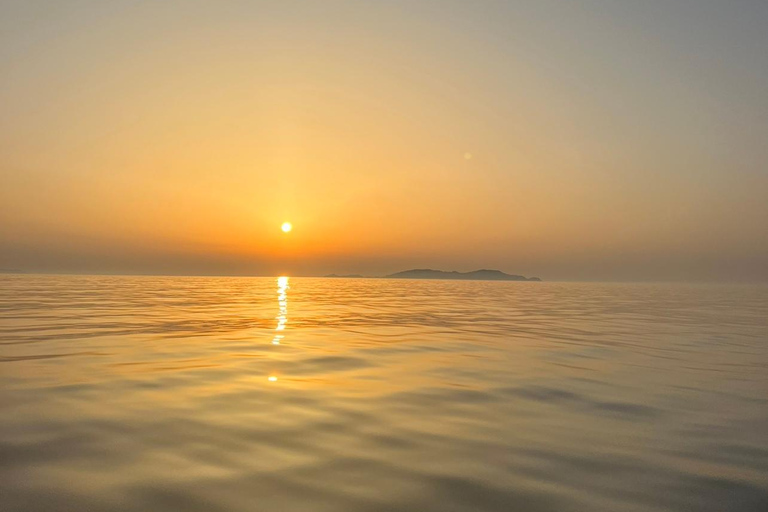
(569, 140)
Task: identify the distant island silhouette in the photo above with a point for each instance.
(428, 273)
(475, 275)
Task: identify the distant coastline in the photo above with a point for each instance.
(428, 273)
(475, 275)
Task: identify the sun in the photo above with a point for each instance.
(286, 227)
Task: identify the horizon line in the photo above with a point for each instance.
(308, 276)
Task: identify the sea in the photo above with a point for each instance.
(282, 394)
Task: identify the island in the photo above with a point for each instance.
(347, 276)
(475, 275)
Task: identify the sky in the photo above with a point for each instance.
(581, 140)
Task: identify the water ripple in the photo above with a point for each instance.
(228, 394)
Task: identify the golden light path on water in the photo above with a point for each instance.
(282, 317)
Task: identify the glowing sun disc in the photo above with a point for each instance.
(286, 227)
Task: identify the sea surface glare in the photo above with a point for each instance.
(155, 394)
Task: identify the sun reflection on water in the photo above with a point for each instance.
(282, 316)
(282, 301)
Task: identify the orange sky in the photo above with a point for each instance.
(176, 138)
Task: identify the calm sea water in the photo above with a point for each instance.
(248, 394)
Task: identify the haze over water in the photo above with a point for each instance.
(300, 394)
